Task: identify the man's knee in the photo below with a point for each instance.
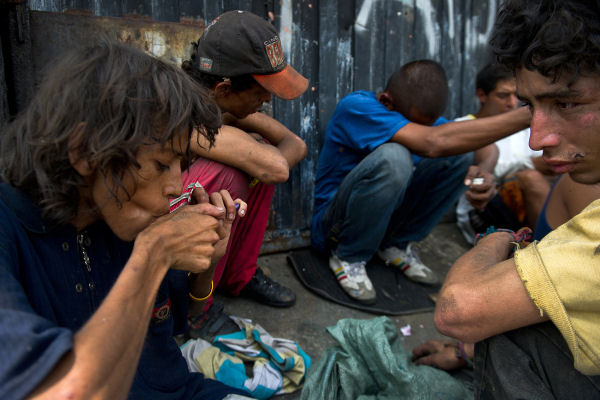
(394, 161)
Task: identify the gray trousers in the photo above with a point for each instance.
(530, 363)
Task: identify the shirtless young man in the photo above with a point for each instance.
(535, 316)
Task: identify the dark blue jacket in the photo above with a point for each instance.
(48, 291)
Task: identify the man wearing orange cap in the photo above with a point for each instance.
(239, 59)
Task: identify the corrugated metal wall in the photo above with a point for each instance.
(340, 45)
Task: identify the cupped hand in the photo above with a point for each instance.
(184, 239)
(231, 209)
(482, 187)
(440, 354)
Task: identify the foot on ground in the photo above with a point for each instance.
(211, 323)
(265, 290)
(353, 278)
(408, 261)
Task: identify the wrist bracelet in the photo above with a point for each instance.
(253, 182)
(462, 354)
(212, 286)
(521, 238)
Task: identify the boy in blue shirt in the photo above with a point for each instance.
(389, 170)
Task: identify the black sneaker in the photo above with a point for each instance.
(265, 290)
(211, 323)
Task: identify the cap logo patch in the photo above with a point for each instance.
(205, 64)
(274, 51)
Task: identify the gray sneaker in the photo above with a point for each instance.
(408, 262)
(353, 278)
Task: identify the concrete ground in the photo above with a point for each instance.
(307, 320)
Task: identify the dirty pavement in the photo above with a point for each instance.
(307, 320)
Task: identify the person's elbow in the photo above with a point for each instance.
(454, 316)
(300, 151)
(432, 147)
(277, 172)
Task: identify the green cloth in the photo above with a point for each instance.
(370, 363)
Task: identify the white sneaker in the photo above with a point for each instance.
(353, 278)
(409, 263)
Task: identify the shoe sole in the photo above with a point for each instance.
(368, 302)
(436, 282)
(283, 304)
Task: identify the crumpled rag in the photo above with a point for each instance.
(278, 365)
(371, 363)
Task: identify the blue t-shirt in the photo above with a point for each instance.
(359, 124)
(47, 293)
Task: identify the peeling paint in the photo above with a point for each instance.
(362, 19)
(492, 7)
(156, 43)
(285, 31)
(451, 32)
(345, 66)
(44, 5)
(431, 29)
(307, 124)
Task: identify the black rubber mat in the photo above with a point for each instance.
(396, 295)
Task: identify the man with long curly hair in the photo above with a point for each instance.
(536, 316)
(93, 267)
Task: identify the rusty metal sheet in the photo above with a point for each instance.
(52, 33)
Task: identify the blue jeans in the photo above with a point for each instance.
(531, 363)
(385, 202)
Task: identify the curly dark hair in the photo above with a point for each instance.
(489, 76)
(553, 37)
(422, 84)
(120, 99)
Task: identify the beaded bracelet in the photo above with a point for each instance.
(462, 354)
(521, 238)
(212, 286)
(253, 182)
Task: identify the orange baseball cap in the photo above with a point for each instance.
(239, 43)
